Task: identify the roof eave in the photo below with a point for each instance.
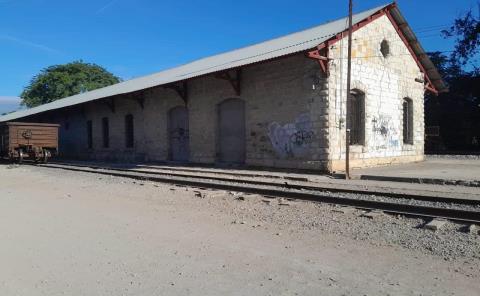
(429, 68)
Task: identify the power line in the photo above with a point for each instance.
(432, 28)
(390, 35)
(392, 55)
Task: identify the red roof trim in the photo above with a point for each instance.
(385, 11)
(429, 85)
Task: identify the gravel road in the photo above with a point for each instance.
(72, 233)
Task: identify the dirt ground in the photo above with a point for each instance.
(66, 233)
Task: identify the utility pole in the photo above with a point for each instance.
(349, 81)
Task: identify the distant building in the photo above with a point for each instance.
(279, 103)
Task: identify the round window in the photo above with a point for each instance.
(385, 48)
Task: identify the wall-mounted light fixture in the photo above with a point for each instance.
(419, 80)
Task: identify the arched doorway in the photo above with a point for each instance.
(231, 131)
(178, 134)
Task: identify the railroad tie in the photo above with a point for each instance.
(344, 210)
(435, 224)
(474, 229)
(372, 214)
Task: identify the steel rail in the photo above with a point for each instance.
(465, 216)
(464, 201)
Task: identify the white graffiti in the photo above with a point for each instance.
(385, 133)
(292, 139)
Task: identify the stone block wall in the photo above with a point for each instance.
(386, 81)
(286, 101)
(294, 115)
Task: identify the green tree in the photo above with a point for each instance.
(61, 81)
(448, 70)
(466, 31)
(457, 112)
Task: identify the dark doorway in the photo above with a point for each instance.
(231, 131)
(178, 134)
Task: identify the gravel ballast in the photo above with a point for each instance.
(450, 242)
(77, 233)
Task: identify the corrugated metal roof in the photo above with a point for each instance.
(430, 68)
(290, 44)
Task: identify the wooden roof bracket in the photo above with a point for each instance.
(139, 97)
(234, 81)
(320, 54)
(181, 89)
(322, 57)
(430, 87)
(110, 104)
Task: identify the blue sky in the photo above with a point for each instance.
(132, 38)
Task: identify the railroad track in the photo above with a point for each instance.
(294, 191)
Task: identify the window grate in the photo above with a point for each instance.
(356, 117)
(407, 121)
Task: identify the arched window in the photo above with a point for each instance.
(129, 131)
(89, 134)
(105, 132)
(407, 121)
(356, 117)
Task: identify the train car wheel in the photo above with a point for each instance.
(20, 156)
(46, 155)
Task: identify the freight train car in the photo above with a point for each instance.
(34, 141)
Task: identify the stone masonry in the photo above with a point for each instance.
(386, 81)
(285, 119)
(294, 114)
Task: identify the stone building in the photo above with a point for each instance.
(280, 103)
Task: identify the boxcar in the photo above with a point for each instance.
(35, 141)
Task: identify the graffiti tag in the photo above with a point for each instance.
(384, 131)
(27, 134)
(292, 139)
